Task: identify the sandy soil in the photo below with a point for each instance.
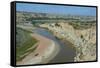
(46, 48)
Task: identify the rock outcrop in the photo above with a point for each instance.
(83, 40)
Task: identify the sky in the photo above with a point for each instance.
(56, 9)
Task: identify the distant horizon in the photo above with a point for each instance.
(54, 13)
(56, 9)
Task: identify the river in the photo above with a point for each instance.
(66, 53)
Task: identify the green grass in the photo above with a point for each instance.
(24, 54)
(82, 25)
(24, 42)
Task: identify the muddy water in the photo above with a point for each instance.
(66, 53)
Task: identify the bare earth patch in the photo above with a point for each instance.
(44, 52)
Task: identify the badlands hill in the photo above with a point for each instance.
(79, 30)
(84, 40)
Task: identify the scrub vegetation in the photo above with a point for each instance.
(24, 41)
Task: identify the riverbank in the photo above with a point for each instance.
(66, 53)
(84, 41)
(46, 50)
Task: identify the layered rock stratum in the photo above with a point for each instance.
(84, 40)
